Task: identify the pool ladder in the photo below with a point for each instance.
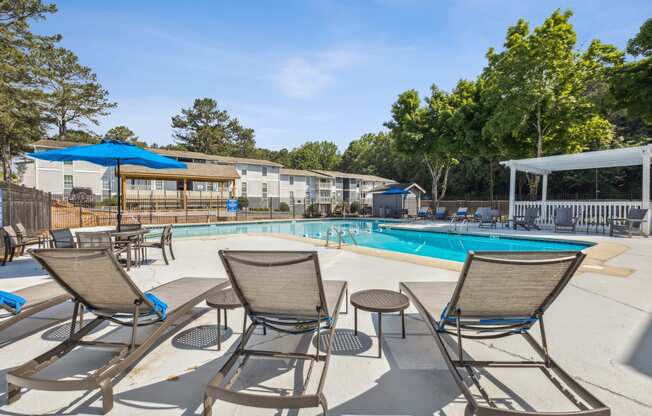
(340, 233)
(452, 226)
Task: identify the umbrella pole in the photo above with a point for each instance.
(119, 198)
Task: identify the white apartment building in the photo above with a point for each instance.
(264, 183)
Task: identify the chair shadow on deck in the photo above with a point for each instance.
(23, 266)
(186, 391)
(641, 356)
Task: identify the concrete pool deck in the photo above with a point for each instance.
(600, 331)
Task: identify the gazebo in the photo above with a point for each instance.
(590, 211)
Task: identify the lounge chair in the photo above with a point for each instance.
(13, 244)
(440, 213)
(527, 221)
(460, 214)
(282, 291)
(165, 241)
(95, 280)
(565, 220)
(485, 217)
(424, 212)
(630, 224)
(62, 238)
(23, 303)
(501, 294)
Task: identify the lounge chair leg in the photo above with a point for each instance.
(323, 404)
(165, 257)
(208, 405)
(107, 396)
(219, 330)
(13, 393)
(172, 252)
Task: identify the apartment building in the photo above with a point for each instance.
(264, 183)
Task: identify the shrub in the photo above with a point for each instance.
(355, 207)
(312, 211)
(283, 207)
(243, 202)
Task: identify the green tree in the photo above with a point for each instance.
(631, 83)
(125, 134)
(207, 129)
(21, 77)
(539, 88)
(427, 132)
(73, 94)
(80, 136)
(315, 155)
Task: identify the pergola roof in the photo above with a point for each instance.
(627, 156)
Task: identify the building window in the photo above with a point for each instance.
(243, 171)
(264, 170)
(291, 180)
(244, 189)
(67, 162)
(159, 185)
(264, 190)
(67, 183)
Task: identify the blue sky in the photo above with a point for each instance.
(299, 70)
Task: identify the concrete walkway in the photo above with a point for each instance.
(600, 330)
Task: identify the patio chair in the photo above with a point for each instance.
(23, 303)
(630, 224)
(283, 291)
(502, 294)
(424, 212)
(13, 244)
(27, 237)
(139, 251)
(165, 241)
(62, 238)
(94, 279)
(485, 217)
(527, 221)
(441, 213)
(102, 239)
(565, 220)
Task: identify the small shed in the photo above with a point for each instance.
(397, 200)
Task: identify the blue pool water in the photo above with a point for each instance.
(368, 233)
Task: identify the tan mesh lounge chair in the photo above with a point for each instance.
(284, 291)
(37, 298)
(501, 294)
(95, 280)
(629, 225)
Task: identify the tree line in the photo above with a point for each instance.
(538, 95)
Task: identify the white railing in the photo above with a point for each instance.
(589, 212)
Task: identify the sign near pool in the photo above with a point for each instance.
(232, 205)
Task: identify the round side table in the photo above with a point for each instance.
(380, 301)
(224, 300)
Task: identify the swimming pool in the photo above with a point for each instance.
(369, 233)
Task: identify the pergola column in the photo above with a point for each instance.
(544, 188)
(645, 187)
(512, 190)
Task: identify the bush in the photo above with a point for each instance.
(283, 207)
(355, 207)
(243, 202)
(312, 211)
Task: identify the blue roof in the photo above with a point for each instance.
(110, 153)
(396, 191)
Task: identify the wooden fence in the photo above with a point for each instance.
(28, 206)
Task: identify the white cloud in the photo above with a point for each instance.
(300, 78)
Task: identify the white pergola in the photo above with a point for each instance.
(628, 156)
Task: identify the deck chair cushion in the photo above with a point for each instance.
(11, 301)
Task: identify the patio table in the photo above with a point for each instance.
(131, 238)
(380, 301)
(223, 300)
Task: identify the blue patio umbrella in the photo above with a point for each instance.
(111, 153)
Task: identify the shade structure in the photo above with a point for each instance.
(111, 153)
(396, 191)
